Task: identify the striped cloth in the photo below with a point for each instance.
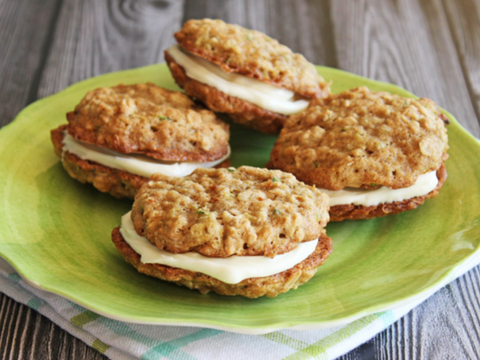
(124, 341)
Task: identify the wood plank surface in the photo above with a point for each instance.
(96, 37)
(464, 21)
(430, 47)
(23, 51)
(25, 334)
(406, 43)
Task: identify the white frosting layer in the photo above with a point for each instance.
(424, 184)
(134, 164)
(265, 96)
(230, 270)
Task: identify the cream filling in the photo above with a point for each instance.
(265, 96)
(230, 270)
(424, 184)
(134, 164)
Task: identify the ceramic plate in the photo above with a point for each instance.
(56, 232)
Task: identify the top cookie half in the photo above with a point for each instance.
(363, 139)
(222, 212)
(243, 73)
(149, 120)
(251, 53)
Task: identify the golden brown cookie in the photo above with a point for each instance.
(220, 213)
(363, 139)
(249, 53)
(142, 122)
(149, 120)
(224, 212)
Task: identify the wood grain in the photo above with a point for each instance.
(25, 334)
(96, 37)
(464, 20)
(23, 50)
(441, 328)
(405, 43)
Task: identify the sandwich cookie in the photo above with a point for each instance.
(117, 137)
(245, 231)
(243, 73)
(373, 153)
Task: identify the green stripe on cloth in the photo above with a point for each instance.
(316, 351)
(100, 346)
(15, 277)
(172, 348)
(123, 329)
(84, 318)
(319, 350)
(120, 328)
(283, 339)
(35, 303)
(388, 318)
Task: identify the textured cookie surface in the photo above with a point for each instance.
(270, 286)
(240, 111)
(251, 53)
(224, 212)
(360, 138)
(149, 120)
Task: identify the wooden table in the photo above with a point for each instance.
(431, 48)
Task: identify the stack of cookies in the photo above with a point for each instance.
(244, 231)
(248, 231)
(243, 73)
(374, 154)
(116, 138)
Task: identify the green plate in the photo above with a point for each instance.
(56, 232)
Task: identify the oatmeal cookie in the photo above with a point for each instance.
(252, 54)
(224, 212)
(358, 138)
(221, 216)
(363, 139)
(149, 120)
(138, 130)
